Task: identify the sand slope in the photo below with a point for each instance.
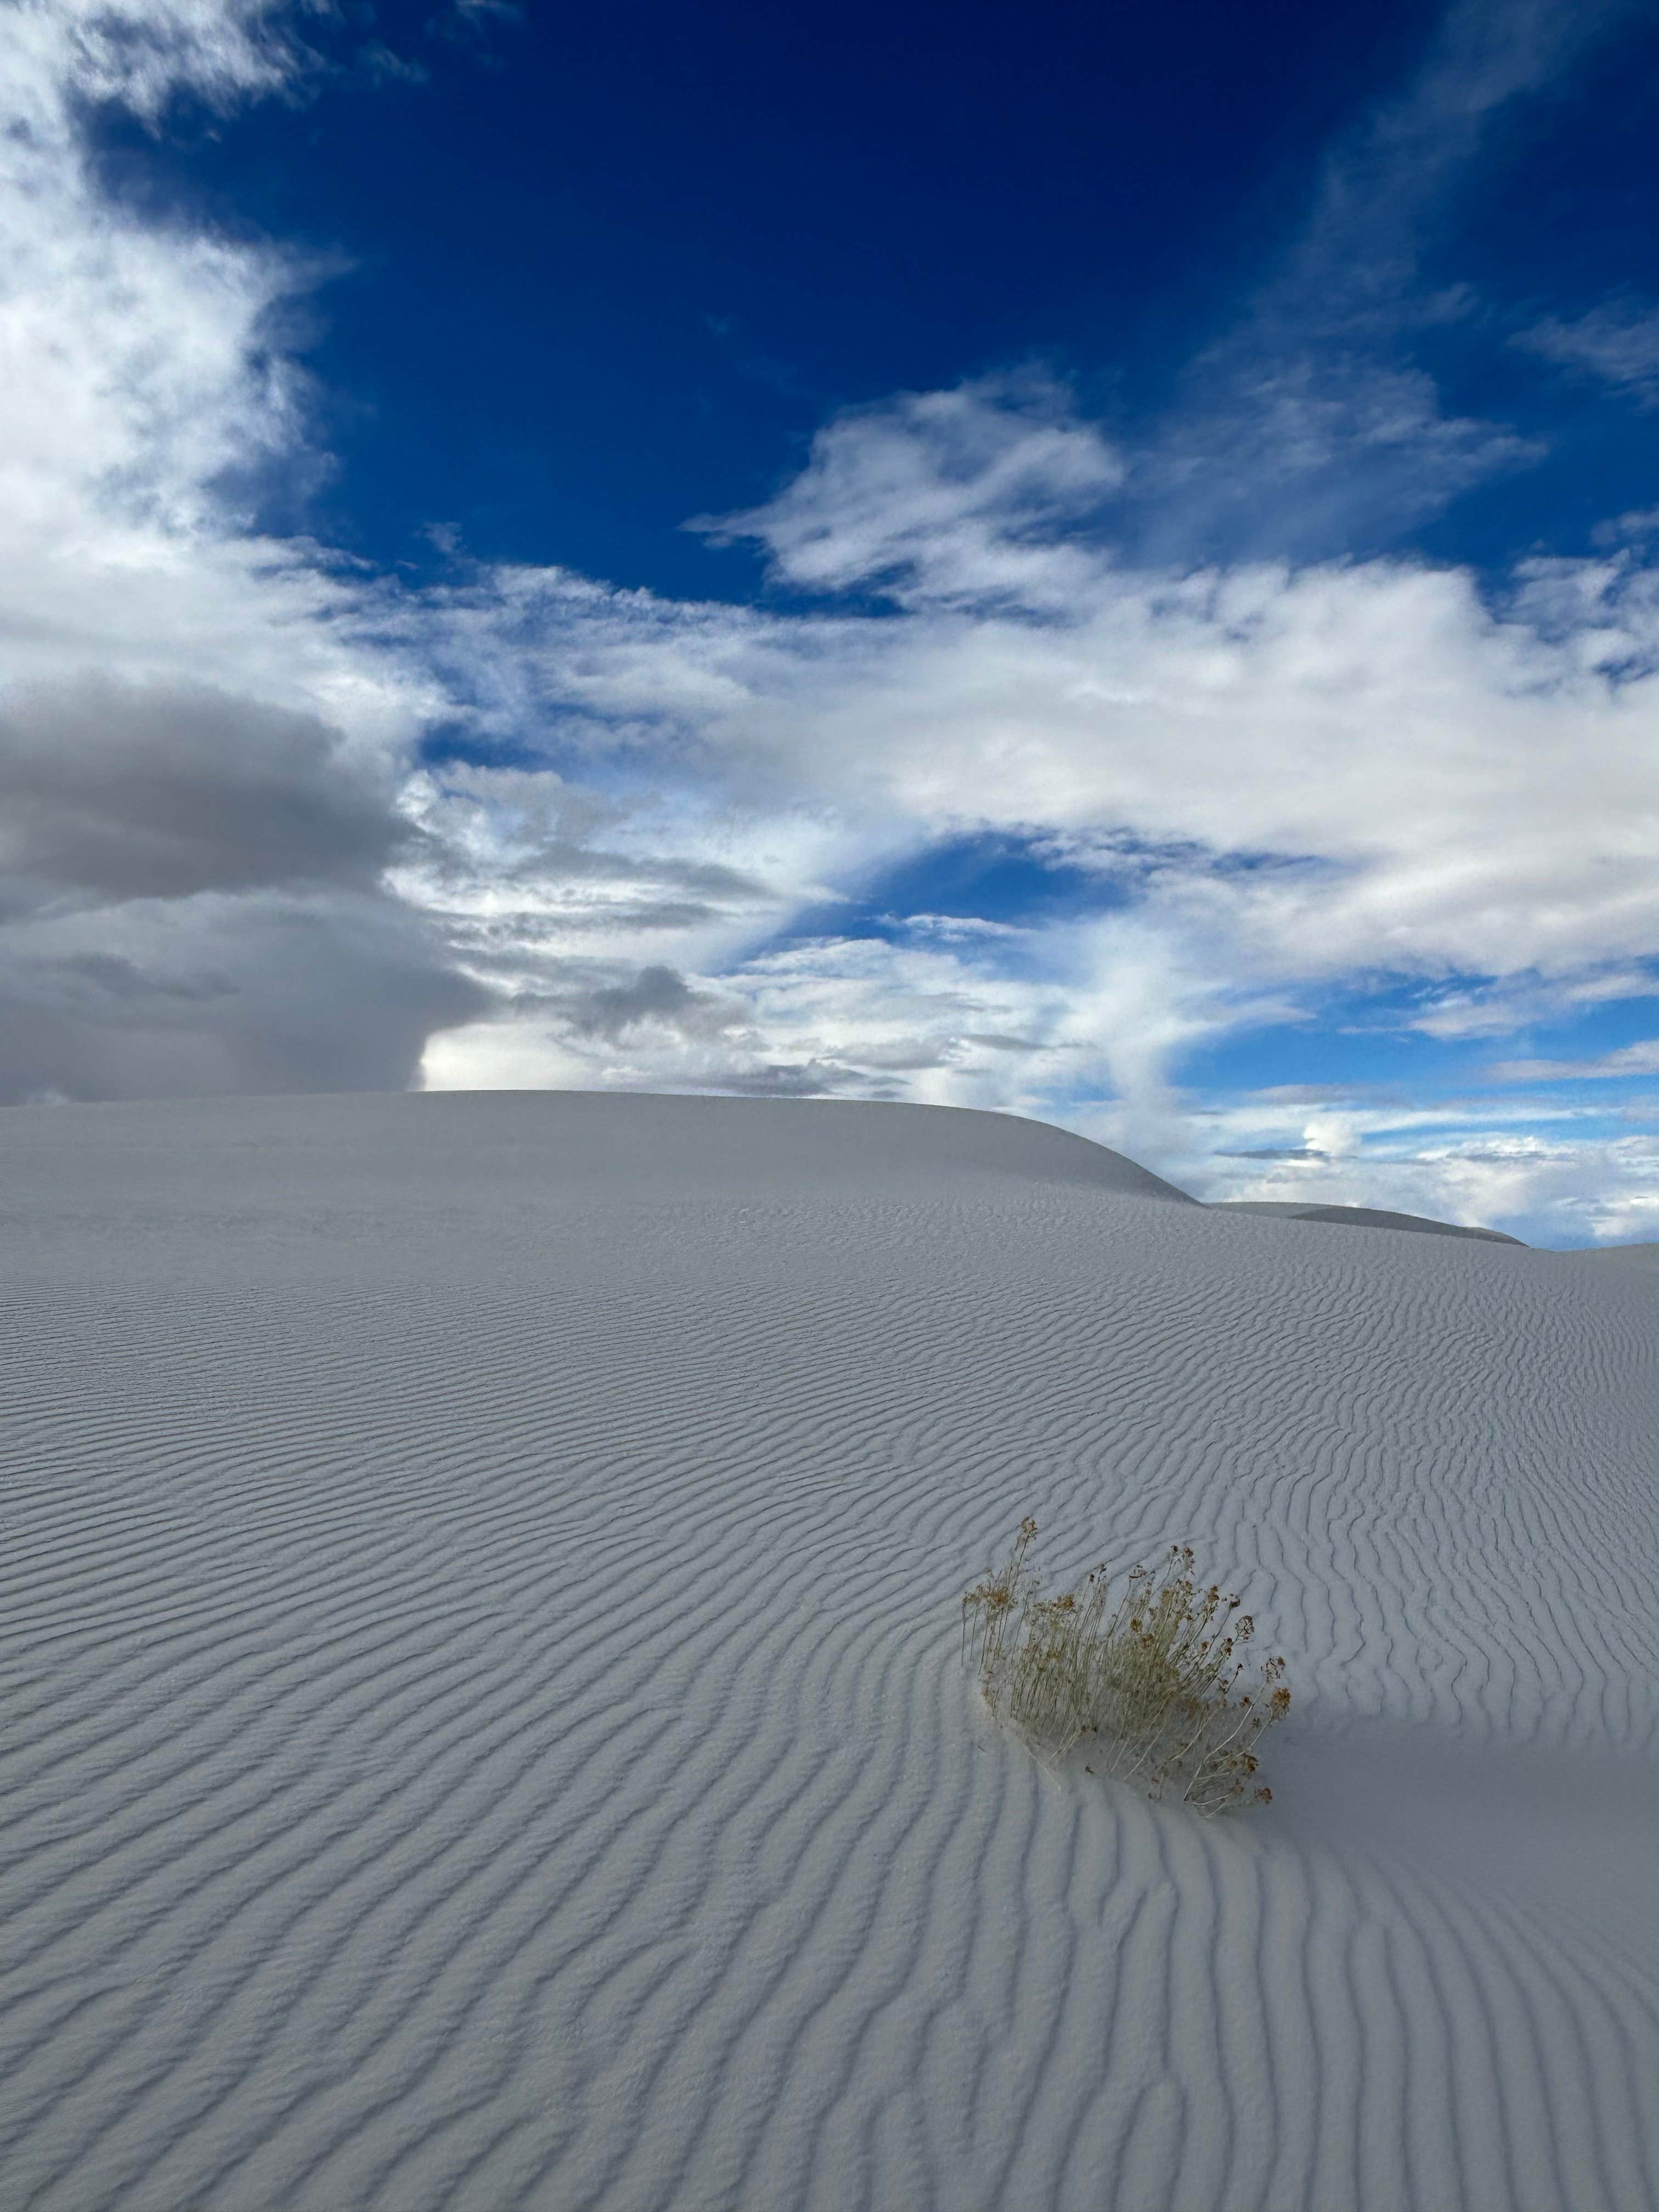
(1638, 1256)
(482, 1723)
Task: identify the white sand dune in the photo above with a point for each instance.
(1358, 1217)
(484, 1725)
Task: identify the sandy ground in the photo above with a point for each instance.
(484, 1725)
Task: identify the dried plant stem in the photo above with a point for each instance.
(1155, 1678)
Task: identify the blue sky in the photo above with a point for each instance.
(1100, 566)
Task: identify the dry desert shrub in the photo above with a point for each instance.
(1155, 1677)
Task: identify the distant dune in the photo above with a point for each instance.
(485, 1726)
(1358, 1217)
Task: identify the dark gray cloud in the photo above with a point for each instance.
(654, 995)
(105, 976)
(120, 791)
(191, 902)
(262, 993)
(810, 1079)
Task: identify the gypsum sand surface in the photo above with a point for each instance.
(483, 1724)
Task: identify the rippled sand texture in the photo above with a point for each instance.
(482, 1720)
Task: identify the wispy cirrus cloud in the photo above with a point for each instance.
(1617, 342)
(971, 494)
(1627, 1059)
(1310, 427)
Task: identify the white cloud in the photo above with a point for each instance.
(135, 373)
(1642, 1059)
(141, 52)
(1500, 1008)
(946, 495)
(1346, 766)
(1541, 1174)
(1617, 342)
